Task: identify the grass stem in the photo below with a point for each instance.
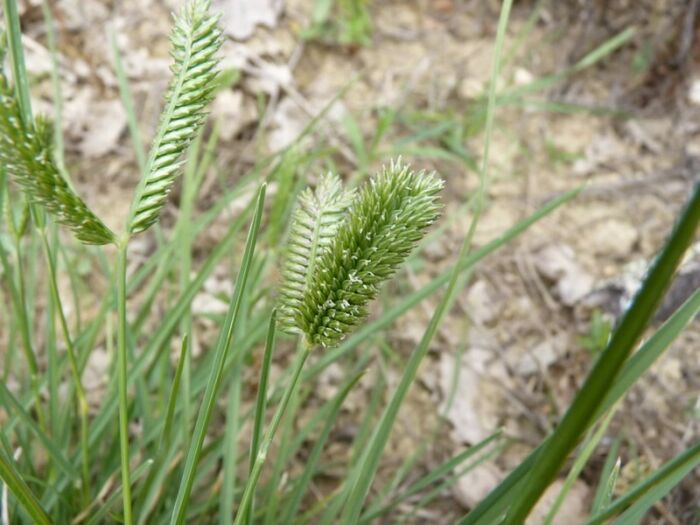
(122, 380)
(269, 436)
(81, 398)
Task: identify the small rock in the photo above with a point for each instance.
(613, 238)
(475, 485)
(557, 263)
(572, 512)
(482, 304)
(694, 92)
(543, 355)
(239, 18)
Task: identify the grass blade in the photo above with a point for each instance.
(221, 352)
(648, 491)
(261, 401)
(21, 491)
(174, 390)
(497, 501)
(607, 480)
(604, 374)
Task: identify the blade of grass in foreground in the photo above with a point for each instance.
(261, 403)
(604, 374)
(496, 503)
(221, 352)
(21, 491)
(607, 478)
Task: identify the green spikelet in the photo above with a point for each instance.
(195, 40)
(385, 221)
(314, 224)
(26, 154)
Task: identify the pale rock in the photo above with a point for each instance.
(573, 511)
(95, 124)
(522, 77)
(557, 263)
(694, 92)
(604, 149)
(613, 238)
(470, 88)
(473, 412)
(239, 18)
(476, 484)
(214, 298)
(233, 111)
(482, 303)
(543, 355)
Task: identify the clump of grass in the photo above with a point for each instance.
(63, 464)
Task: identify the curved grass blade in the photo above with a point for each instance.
(21, 491)
(261, 403)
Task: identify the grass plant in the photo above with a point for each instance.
(176, 440)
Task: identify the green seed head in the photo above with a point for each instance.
(384, 222)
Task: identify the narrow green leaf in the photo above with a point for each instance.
(21, 491)
(174, 391)
(604, 374)
(640, 498)
(220, 353)
(608, 478)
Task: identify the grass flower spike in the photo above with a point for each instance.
(26, 154)
(316, 220)
(195, 40)
(384, 222)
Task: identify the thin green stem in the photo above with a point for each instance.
(81, 398)
(19, 71)
(269, 436)
(25, 331)
(122, 380)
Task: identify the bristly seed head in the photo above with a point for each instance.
(383, 224)
(314, 224)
